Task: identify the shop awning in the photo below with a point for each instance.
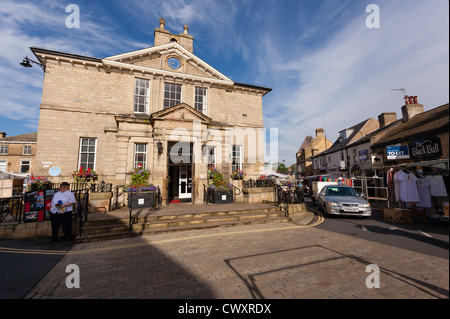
(436, 163)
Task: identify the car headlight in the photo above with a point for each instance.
(332, 204)
(364, 205)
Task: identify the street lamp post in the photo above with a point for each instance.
(27, 63)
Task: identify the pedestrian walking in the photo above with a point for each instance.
(61, 212)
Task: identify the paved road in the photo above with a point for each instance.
(271, 261)
(427, 238)
(25, 262)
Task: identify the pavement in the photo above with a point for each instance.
(266, 261)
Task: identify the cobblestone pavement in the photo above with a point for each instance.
(256, 261)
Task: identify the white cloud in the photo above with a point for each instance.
(350, 78)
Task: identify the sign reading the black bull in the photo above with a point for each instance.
(426, 149)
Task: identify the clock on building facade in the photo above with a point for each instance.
(173, 63)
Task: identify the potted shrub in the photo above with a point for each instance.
(219, 191)
(140, 192)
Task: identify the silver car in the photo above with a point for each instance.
(343, 200)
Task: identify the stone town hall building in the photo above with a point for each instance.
(161, 107)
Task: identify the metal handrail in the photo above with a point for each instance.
(285, 195)
(234, 192)
(82, 208)
(206, 198)
(115, 195)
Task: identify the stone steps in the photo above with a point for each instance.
(162, 223)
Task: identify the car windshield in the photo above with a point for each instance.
(341, 191)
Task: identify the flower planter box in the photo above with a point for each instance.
(37, 187)
(221, 196)
(141, 199)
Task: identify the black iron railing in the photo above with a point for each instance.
(258, 183)
(11, 209)
(285, 195)
(115, 202)
(133, 218)
(81, 208)
(101, 187)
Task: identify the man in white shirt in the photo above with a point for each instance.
(61, 212)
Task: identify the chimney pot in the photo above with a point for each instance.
(186, 29)
(162, 23)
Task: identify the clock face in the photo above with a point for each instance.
(173, 63)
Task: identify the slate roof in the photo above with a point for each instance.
(429, 122)
(305, 143)
(337, 146)
(30, 137)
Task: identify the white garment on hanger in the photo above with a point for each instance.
(407, 187)
(437, 185)
(396, 187)
(423, 187)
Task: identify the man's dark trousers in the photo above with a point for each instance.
(63, 220)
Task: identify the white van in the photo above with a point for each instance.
(317, 187)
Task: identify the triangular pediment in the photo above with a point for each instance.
(149, 60)
(180, 112)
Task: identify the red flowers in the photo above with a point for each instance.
(83, 175)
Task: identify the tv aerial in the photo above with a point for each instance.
(402, 89)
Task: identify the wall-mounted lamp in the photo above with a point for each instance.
(160, 147)
(27, 63)
(203, 149)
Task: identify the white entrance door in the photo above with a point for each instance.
(184, 185)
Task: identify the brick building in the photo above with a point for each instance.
(17, 153)
(423, 135)
(161, 107)
(310, 147)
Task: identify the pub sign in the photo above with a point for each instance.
(426, 149)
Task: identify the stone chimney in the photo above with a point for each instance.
(2, 134)
(319, 132)
(387, 118)
(411, 108)
(163, 36)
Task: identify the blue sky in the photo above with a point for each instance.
(325, 66)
